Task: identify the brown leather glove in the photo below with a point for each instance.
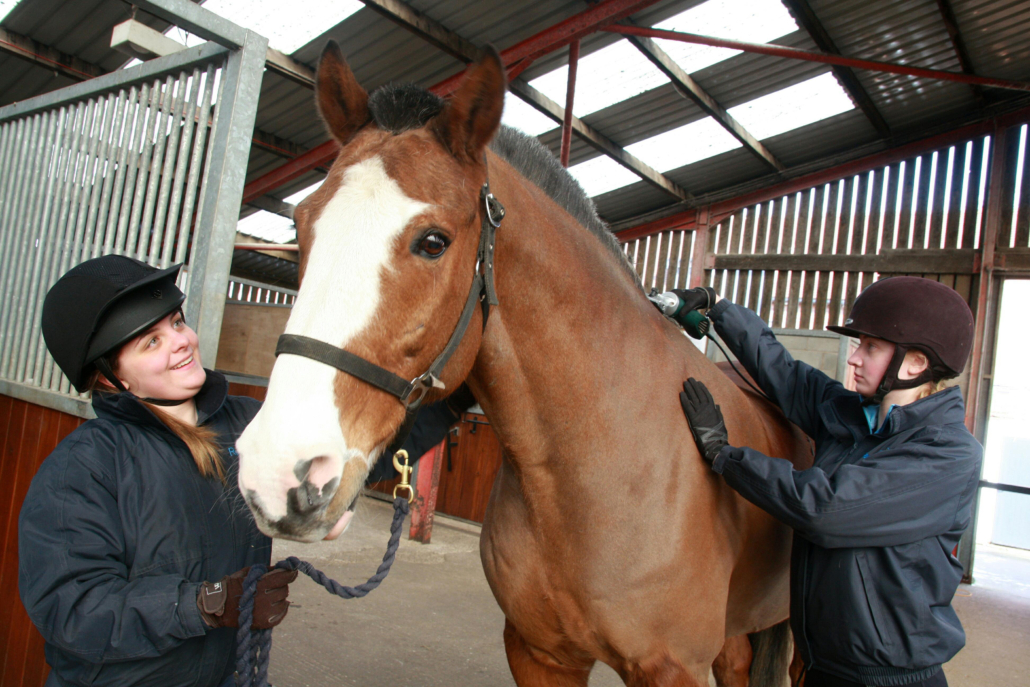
(219, 602)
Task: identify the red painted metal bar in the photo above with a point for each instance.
(516, 58)
(570, 96)
(811, 56)
(686, 220)
(316, 157)
(427, 487)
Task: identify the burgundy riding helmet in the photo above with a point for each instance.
(912, 312)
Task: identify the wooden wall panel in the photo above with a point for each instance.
(248, 337)
(28, 433)
(465, 487)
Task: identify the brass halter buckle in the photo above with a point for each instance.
(405, 472)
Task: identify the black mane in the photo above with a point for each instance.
(400, 108)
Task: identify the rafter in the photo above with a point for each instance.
(459, 47)
(691, 89)
(599, 141)
(807, 19)
(49, 58)
(951, 25)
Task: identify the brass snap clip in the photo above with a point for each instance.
(405, 472)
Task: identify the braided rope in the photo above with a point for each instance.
(253, 647)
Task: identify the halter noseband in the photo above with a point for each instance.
(411, 393)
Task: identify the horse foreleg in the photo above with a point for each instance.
(534, 668)
(732, 665)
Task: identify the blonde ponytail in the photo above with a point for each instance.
(931, 388)
(199, 440)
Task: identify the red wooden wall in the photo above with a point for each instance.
(28, 433)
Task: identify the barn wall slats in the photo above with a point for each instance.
(934, 201)
(28, 434)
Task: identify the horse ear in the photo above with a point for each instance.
(341, 100)
(471, 118)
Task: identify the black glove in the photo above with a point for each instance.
(219, 602)
(697, 298)
(705, 419)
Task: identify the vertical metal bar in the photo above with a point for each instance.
(42, 220)
(101, 177)
(62, 156)
(133, 243)
(570, 94)
(124, 152)
(63, 233)
(76, 220)
(104, 231)
(181, 167)
(220, 207)
(28, 216)
(13, 224)
(185, 223)
(156, 166)
(87, 186)
(171, 147)
(139, 124)
(7, 193)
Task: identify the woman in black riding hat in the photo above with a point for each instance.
(879, 514)
(133, 539)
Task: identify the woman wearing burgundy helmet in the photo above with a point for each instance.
(890, 493)
(133, 539)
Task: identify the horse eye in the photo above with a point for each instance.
(432, 245)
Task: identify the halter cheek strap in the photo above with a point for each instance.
(411, 393)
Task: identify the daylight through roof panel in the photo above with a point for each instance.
(603, 78)
(755, 21)
(288, 24)
(793, 107)
(524, 117)
(6, 6)
(686, 144)
(268, 226)
(602, 174)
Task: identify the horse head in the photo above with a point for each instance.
(388, 249)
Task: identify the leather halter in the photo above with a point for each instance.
(411, 393)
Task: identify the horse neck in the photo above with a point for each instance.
(569, 356)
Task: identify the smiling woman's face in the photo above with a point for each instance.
(163, 362)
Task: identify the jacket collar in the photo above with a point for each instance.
(126, 406)
(844, 418)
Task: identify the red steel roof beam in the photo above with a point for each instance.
(516, 58)
(812, 56)
(570, 95)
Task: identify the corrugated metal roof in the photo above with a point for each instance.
(996, 33)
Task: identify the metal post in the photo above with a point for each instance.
(978, 393)
(427, 486)
(570, 94)
(220, 206)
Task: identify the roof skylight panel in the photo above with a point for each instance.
(268, 226)
(300, 195)
(602, 174)
(793, 107)
(603, 78)
(522, 116)
(755, 21)
(684, 145)
(288, 24)
(6, 6)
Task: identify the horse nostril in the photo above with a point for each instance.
(308, 498)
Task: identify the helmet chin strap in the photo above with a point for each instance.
(890, 380)
(108, 373)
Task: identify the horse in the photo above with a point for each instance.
(606, 537)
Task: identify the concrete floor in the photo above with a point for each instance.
(433, 621)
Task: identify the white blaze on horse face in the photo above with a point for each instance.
(352, 243)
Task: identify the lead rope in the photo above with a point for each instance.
(254, 646)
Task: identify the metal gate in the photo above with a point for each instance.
(147, 162)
